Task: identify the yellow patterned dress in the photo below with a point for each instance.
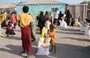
(43, 44)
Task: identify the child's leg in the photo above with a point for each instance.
(51, 47)
(51, 42)
(8, 36)
(54, 46)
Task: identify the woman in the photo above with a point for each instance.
(43, 44)
(41, 21)
(68, 16)
(63, 23)
(46, 16)
(2, 18)
(7, 17)
(24, 22)
(60, 17)
(10, 29)
(13, 18)
(77, 23)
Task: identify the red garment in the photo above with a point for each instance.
(13, 18)
(26, 39)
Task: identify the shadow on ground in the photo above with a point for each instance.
(12, 49)
(79, 39)
(71, 32)
(63, 51)
(17, 30)
(69, 51)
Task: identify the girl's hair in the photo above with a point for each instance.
(52, 27)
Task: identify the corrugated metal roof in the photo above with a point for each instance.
(43, 2)
(3, 6)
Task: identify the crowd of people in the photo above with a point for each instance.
(47, 32)
(8, 20)
(47, 23)
(25, 22)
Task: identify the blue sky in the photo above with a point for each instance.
(64, 1)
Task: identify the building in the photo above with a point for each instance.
(10, 7)
(78, 11)
(88, 13)
(42, 5)
(35, 6)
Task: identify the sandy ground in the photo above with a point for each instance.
(70, 43)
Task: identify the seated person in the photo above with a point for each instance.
(77, 23)
(63, 24)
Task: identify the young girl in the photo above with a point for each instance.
(9, 29)
(53, 38)
(44, 42)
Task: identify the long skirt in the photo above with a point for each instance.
(26, 39)
(42, 50)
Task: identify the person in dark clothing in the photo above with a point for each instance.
(68, 16)
(87, 20)
(60, 15)
(73, 21)
(46, 16)
(41, 21)
(10, 29)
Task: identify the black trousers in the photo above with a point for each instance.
(56, 22)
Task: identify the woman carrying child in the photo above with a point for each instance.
(44, 42)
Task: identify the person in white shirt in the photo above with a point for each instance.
(56, 16)
(63, 24)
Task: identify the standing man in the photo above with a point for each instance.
(24, 22)
(56, 21)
